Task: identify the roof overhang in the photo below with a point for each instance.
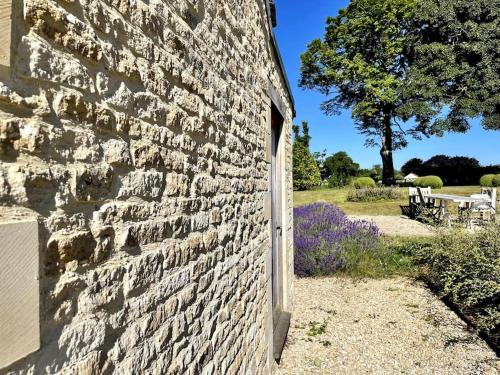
(271, 14)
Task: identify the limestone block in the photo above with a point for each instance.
(5, 31)
(92, 183)
(176, 185)
(19, 294)
(149, 184)
(146, 156)
(68, 246)
(116, 153)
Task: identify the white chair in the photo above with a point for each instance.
(418, 199)
(414, 196)
(487, 205)
(492, 193)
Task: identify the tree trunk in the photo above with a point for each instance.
(386, 153)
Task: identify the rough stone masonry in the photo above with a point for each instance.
(135, 132)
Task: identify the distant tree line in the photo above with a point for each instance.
(453, 170)
(339, 169)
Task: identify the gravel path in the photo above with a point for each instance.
(391, 326)
(397, 225)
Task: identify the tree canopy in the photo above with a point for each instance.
(361, 64)
(408, 68)
(341, 169)
(454, 56)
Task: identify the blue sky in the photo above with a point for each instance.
(301, 21)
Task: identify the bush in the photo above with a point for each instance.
(335, 181)
(487, 180)
(306, 175)
(323, 235)
(465, 269)
(434, 182)
(374, 194)
(364, 182)
(496, 180)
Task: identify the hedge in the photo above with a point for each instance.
(434, 182)
(487, 180)
(496, 180)
(364, 182)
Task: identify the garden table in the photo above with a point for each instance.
(445, 199)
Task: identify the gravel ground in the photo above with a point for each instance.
(397, 225)
(391, 326)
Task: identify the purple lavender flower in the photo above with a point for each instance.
(322, 232)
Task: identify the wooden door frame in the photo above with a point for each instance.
(279, 263)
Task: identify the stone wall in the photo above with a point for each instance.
(135, 130)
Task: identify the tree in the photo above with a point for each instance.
(320, 157)
(306, 173)
(413, 165)
(455, 61)
(453, 170)
(361, 63)
(375, 172)
(305, 138)
(341, 168)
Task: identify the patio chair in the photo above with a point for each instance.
(483, 208)
(415, 200)
(492, 192)
(426, 209)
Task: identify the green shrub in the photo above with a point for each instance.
(434, 182)
(374, 194)
(496, 180)
(487, 180)
(306, 175)
(364, 182)
(465, 270)
(335, 181)
(381, 261)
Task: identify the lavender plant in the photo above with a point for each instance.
(323, 236)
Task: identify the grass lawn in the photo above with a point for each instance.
(338, 197)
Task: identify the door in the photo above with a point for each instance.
(281, 318)
(277, 232)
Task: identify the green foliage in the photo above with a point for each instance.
(496, 180)
(320, 157)
(413, 165)
(341, 169)
(306, 174)
(487, 180)
(377, 194)
(465, 269)
(383, 261)
(375, 172)
(453, 170)
(454, 61)
(364, 182)
(361, 63)
(434, 182)
(317, 328)
(303, 138)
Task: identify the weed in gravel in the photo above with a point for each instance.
(317, 328)
(326, 343)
